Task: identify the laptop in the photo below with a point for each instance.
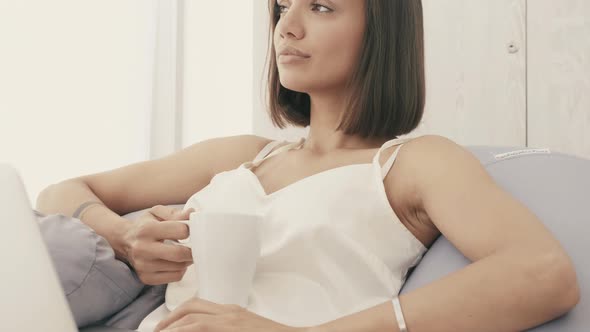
(32, 298)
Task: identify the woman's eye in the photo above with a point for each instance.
(315, 5)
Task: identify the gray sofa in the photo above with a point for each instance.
(556, 187)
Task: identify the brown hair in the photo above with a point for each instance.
(387, 89)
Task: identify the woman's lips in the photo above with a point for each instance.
(290, 58)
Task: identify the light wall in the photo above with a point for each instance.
(218, 70)
(78, 77)
(75, 80)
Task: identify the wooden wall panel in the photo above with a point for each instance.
(559, 75)
(475, 71)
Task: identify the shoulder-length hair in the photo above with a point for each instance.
(387, 88)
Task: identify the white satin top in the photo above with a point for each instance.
(331, 244)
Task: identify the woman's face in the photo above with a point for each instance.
(330, 32)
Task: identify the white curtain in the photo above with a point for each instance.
(166, 114)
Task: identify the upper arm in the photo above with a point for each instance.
(468, 207)
(174, 178)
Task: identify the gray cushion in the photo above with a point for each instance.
(556, 187)
(101, 290)
(96, 284)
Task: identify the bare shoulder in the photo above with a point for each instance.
(434, 157)
(232, 151)
(416, 156)
(424, 159)
(431, 152)
(419, 162)
(445, 181)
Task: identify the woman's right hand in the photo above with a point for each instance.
(154, 261)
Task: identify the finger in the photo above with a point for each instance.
(170, 230)
(161, 265)
(198, 327)
(174, 322)
(193, 306)
(181, 215)
(181, 322)
(169, 213)
(169, 252)
(162, 212)
(160, 278)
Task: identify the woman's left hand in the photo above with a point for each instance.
(202, 315)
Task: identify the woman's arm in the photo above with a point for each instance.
(496, 294)
(521, 276)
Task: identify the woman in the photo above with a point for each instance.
(357, 80)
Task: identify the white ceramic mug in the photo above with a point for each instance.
(225, 248)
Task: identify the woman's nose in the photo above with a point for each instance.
(290, 24)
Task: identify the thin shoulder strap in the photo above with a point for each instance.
(262, 156)
(266, 150)
(387, 166)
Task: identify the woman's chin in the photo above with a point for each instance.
(296, 85)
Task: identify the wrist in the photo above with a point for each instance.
(318, 328)
(378, 318)
(119, 240)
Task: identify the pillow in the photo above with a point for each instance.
(101, 290)
(556, 187)
(96, 284)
